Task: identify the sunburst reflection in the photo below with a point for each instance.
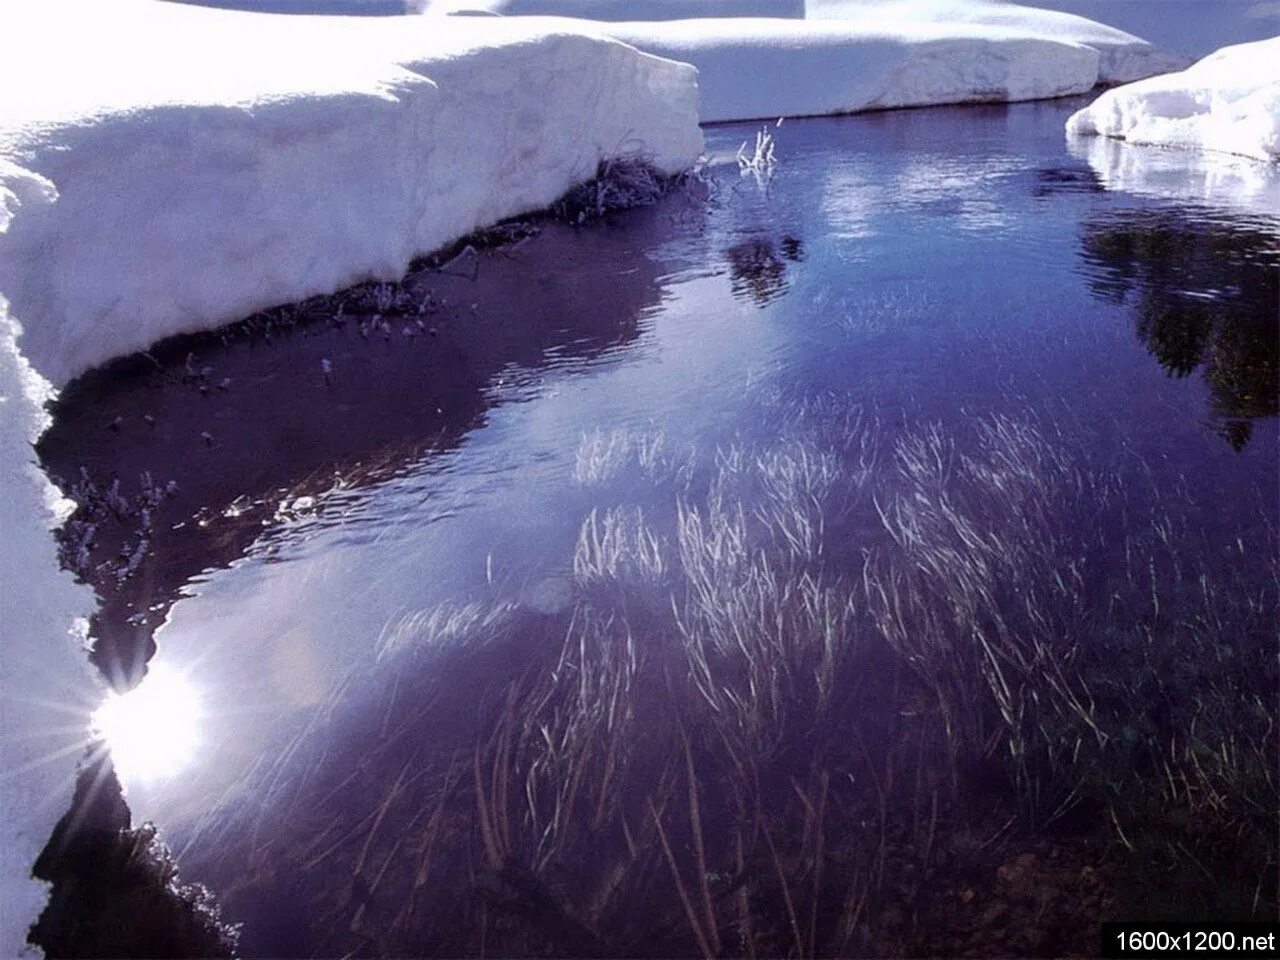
(153, 730)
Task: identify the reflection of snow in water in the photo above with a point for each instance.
(959, 188)
(850, 198)
(1216, 179)
(962, 187)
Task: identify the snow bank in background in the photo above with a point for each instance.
(1121, 56)
(169, 168)
(842, 56)
(774, 68)
(1229, 102)
(364, 8)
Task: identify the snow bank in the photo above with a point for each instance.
(168, 168)
(1229, 102)
(773, 68)
(363, 8)
(204, 164)
(843, 56)
(1122, 57)
(46, 686)
(617, 10)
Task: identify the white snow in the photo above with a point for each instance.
(1229, 102)
(203, 164)
(774, 68)
(167, 168)
(46, 685)
(332, 7)
(843, 56)
(1121, 56)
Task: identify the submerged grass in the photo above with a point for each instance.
(115, 887)
(851, 696)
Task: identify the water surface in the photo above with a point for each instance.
(554, 462)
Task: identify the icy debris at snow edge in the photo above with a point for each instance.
(1229, 102)
(183, 195)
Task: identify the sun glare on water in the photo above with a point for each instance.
(153, 730)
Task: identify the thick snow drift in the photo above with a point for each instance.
(204, 164)
(1229, 102)
(842, 56)
(166, 168)
(1121, 56)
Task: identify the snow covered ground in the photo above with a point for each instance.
(843, 56)
(169, 168)
(1229, 102)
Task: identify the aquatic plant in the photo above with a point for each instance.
(761, 158)
(619, 183)
(855, 675)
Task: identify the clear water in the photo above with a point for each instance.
(359, 564)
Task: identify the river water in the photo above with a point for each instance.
(489, 611)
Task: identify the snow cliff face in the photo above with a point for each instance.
(1229, 102)
(169, 169)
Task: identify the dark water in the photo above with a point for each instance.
(477, 614)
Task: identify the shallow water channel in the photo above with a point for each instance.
(825, 559)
